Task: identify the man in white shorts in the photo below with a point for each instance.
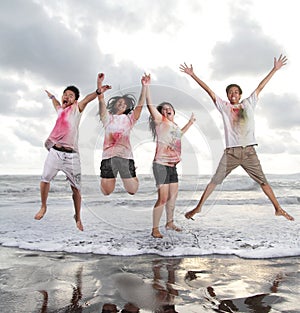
(238, 120)
(62, 145)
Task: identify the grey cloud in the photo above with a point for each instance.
(249, 51)
(44, 46)
(282, 111)
(31, 131)
(12, 92)
(129, 16)
(288, 144)
(53, 54)
(9, 96)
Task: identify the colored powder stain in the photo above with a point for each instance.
(116, 137)
(62, 125)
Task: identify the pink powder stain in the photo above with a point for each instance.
(116, 136)
(62, 125)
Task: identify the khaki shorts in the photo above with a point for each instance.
(69, 163)
(245, 157)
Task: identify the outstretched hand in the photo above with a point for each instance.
(188, 70)
(49, 94)
(100, 79)
(104, 88)
(146, 79)
(282, 60)
(192, 118)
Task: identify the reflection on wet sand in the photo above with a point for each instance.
(75, 305)
(260, 303)
(157, 293)
(167, 285)
(168, 290)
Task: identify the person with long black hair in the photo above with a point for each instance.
(167, 155)
(119, 117)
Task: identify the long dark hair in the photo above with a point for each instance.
(151, 121)
(130, 101)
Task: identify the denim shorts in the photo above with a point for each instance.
(111, 167)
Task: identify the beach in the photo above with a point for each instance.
(35, 281)
(237, 256)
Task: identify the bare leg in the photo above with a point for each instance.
(44, 190)
(45, 301)
(163, 194)
(77, 205)
(278, 210)
(207, 192)
(170, 207)
(107, 185)
(131, 185)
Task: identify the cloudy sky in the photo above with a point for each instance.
(52, 44)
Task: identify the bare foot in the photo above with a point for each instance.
(78, 223)
(189, 215)
(281, 212)
(156, 233)
(40, 214)
(171, 226)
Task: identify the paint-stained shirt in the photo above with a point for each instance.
(66, 129)
(117, 135)
(168, 143)
(238, 121)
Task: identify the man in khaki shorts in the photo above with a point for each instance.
(62, 145)
(238, 119)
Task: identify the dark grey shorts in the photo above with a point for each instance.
(164, 174)
(111, 167)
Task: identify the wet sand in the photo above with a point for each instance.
(34, 281)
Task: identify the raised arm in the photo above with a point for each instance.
(138, 109)
(101, 89)
(277, 65)
(189, 123)
(90, 97)
(55, 102)
(190, 71)
(156, 116)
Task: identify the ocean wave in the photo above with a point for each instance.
(242, 222)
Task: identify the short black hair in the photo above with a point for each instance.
(234, 85)
(75, 90)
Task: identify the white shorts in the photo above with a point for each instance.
(69, 163)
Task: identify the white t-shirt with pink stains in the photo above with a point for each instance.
(66, 128)
(117, 135)
(168, 143)
(238, 121)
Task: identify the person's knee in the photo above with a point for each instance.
(133, 189)
(44, 183)
(162, 201)
(132, 192)
(46, 179)
(107, 189)
(106, 192)
(131, 185)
